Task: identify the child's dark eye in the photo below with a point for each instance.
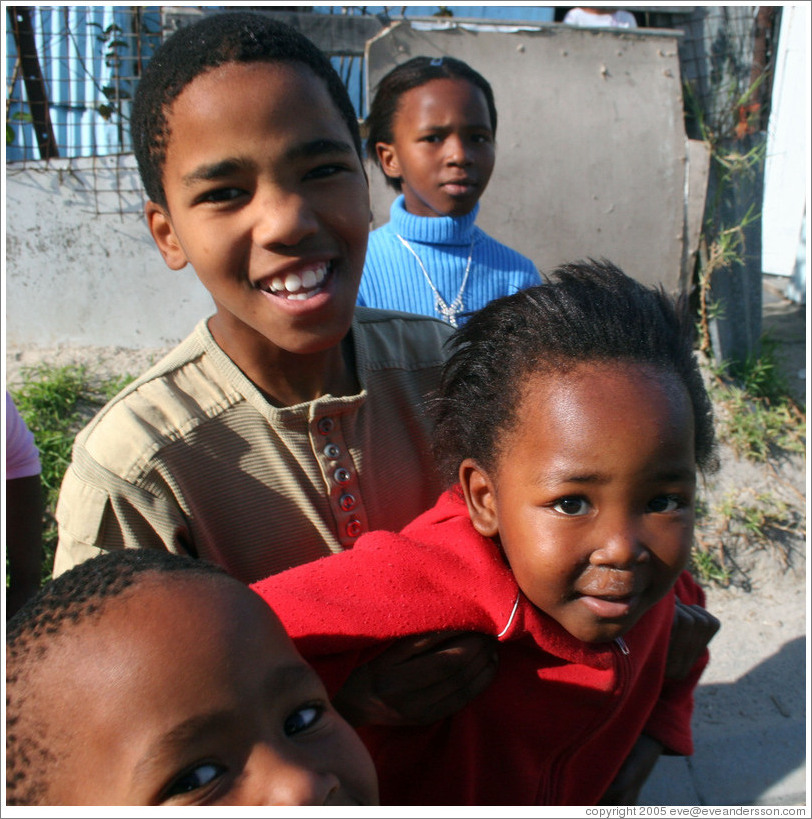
(324, 171)
(303, 718)
(572, 506)
(481, 138)
(666, 503)
(221, 195)
(198, 777)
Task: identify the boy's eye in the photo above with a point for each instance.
(430, 138)
(303, 718)
(195, 778)
(666, 503)
(324, 171)
(572, 506)
(221, 195)
(481, 138)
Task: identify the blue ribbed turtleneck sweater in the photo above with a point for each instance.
(393, 279)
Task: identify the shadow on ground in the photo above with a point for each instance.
(750, 740)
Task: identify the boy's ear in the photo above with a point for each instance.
(163, 233)
(388, 157)
(480, 496)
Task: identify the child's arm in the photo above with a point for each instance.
(23, 540)
(694, 627)
(347, 610)
(630, 779)
(98, 510)
(419, 680)
(670, 721)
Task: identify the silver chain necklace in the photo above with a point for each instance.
(448, 312)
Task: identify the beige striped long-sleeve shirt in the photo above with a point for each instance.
(192, 458)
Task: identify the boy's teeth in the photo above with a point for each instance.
(296, 285)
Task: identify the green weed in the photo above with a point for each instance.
(703, 564)
(708, 568)
(759, 520)
(760, 375)
(55, 403)
(755, 413)
(742, 521)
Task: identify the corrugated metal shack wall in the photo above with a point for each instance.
(90, 59)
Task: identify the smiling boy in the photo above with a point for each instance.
(288, 423)
(285, 425)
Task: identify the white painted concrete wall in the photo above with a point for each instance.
(79, 277)
(786, 169)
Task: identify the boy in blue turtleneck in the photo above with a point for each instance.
(431, 131)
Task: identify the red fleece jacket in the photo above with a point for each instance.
(560, 717)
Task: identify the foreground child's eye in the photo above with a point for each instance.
(197, 777)
(303, 718)
(666, 503)
(572, 506)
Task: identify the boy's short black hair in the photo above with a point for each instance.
(412, 74)
(69, 600)
(217, 39)
(588, 311)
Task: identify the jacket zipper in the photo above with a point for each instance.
(622, 667)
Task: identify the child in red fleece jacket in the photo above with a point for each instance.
(573, 418)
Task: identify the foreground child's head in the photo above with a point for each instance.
(249, 150)
(144, 678)
(431, 130)
(575, 417)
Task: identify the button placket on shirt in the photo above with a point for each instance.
(339, 472)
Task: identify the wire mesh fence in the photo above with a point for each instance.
(70, 76)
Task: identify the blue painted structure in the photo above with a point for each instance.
(91, 56)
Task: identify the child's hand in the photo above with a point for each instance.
(692, 630)
(634, 772)
(419, 680)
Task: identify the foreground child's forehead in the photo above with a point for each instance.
(214, 596)
(176, 607)
(285, 100)
(164, 629)
(583, 384)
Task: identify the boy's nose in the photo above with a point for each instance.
(278, 780)
(284, 220)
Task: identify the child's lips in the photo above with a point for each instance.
(459, 187)
(609, 608)
(611, 594)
